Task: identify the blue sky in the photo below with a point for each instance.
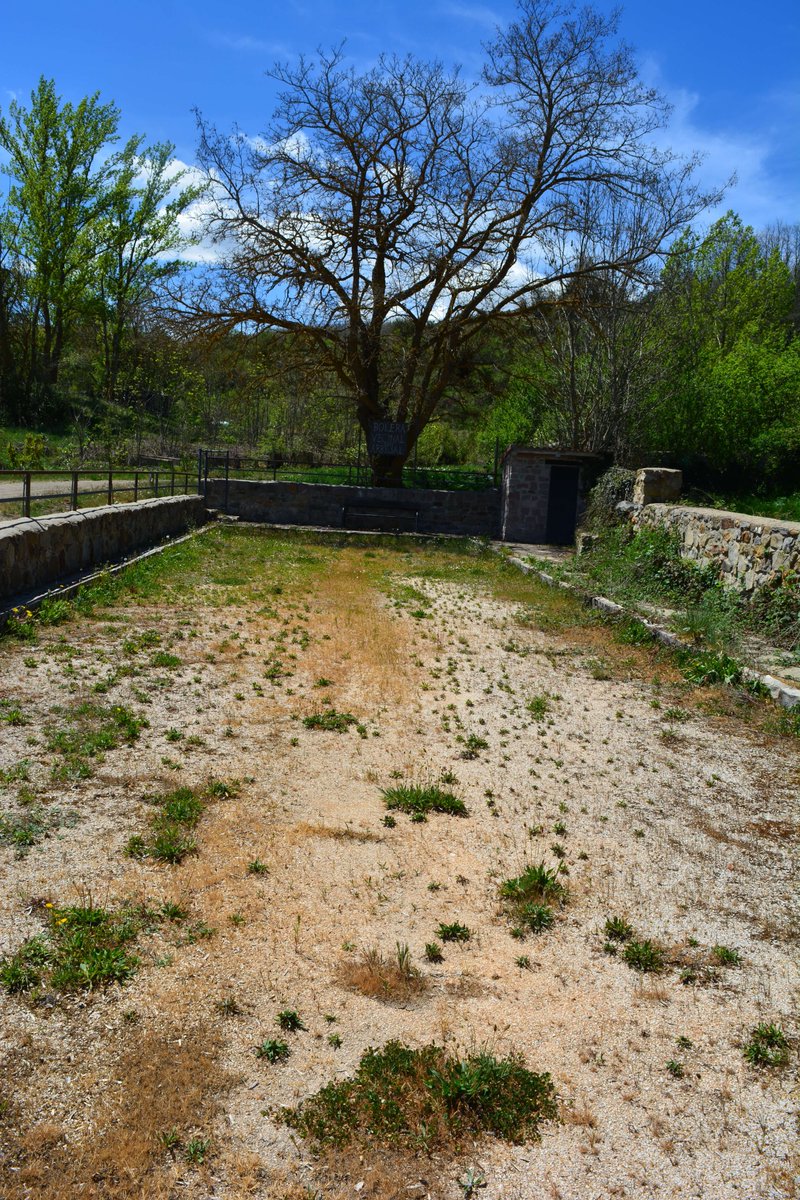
(730, 69)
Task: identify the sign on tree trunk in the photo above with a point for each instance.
(388, 437)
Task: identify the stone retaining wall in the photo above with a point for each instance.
(36, 552)
(468, 514)
(749, 552)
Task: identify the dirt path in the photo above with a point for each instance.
(665, 808)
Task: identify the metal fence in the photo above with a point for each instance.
(230, 465)
(36, 493)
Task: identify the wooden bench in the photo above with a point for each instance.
(381, 515)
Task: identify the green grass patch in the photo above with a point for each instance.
(83, 948)
(169, 838)
(427, 1099)
(418, 800)
(331, 720)
(529, 899)
(88, 732)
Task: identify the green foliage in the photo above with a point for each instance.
(768, 1046)
(729, 371)
(473, 743)
(726, 956)
(528, 898)
(645, 957)
(539, 706)
(86, 233)
(290, 1021)
(617, 929)
(331, 720)
(419, 800)
(84, 947)
(613, 486)
(273, 1050)
(454, 932)
(169, 839)
(423, 1098)
(89, 732)
(538, 884)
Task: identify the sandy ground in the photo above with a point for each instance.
(678, 815)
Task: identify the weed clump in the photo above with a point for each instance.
(418, 801)
(617, 929)
(646, 957)
(389, 979)
(84, 947)
(330, 720)
(178, 813)
(426, 1099)
(273, 1050)
(290, 1020)
(529, 898)
(454, 932)
(768, 1047)
(90, 731)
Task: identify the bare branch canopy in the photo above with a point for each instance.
(387, 217)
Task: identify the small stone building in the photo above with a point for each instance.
(544, 493)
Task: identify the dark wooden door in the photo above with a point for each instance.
(562, 504)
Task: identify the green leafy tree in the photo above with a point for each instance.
(59, 191)
(722, 327)
(134, 237)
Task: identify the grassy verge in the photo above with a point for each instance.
(645, 570)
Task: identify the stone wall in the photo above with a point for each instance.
(749, 552)
(468, 514)
(37, 552)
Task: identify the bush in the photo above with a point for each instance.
(610, 490)
(426, 1099)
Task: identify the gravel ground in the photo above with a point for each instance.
(673, 811)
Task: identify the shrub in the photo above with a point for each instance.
(423, 1098)
(614, 486)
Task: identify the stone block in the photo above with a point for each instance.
(657, 485)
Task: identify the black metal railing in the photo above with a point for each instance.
(230, 465)
(35, 493)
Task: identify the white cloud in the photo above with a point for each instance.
(248, 44)
(761, 193)
(480, 14)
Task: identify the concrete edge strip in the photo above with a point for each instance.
(786, 696)
(70, 589)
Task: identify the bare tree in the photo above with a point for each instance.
(387, 217)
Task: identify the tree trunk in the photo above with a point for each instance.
(387, 469)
